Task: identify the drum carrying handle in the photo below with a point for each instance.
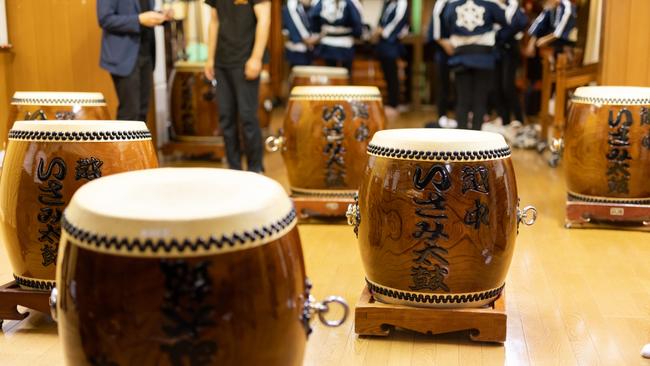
(354, 215)
(527, 215)
(39, 114)
(323, 307)
(54, 295)
(273, 143)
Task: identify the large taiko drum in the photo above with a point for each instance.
(319, 75)
(325, 136)
(437, 217)
(607, 145)
(183, 266)
(45, 163)
(194, 110)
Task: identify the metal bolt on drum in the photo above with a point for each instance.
(323, 307)
(53, 299)
(527, 215)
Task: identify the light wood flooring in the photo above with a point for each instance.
(574, 297)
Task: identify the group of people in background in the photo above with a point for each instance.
(476, 45)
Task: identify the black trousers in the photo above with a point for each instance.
(506, 97)
(134, 90)
(389, 68)
(473, 86)
(238, 103)
(335, 63)
(443, 87)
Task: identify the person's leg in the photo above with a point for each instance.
(228, 116)
(481, 81)
(247, 93)
(330, 62)
(348, 65)
(464, 96)
(510, 83)
(128, 95)
(443, 87)
(389, 68)
(502, 105)
(146, 84)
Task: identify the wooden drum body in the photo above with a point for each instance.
(45, 163)
(319, 75)
(607, 145)
(437, 217)
(326, 133)
(181, 267)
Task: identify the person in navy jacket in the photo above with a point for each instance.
(554, 26)
(339, 23)
(443, 73)
(393, 25)
(128, 52)
(508, 56)
(296, 24)
(472, 37)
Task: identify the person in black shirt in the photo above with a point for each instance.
(238, 33)
(128, 52)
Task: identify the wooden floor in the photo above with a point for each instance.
(575, 297)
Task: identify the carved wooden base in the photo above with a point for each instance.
(193, 150)
(11, 295)
(315, 207)
(487, 324)
(581, 214)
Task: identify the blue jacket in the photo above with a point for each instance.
(559, 20)
(121, 35)
(470, 25)
(507, 36)
(394, 21)
(339, 25)
(295, 22)
(436, 31)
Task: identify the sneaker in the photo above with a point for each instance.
(645, 351)
(446, 122)
(391, 113)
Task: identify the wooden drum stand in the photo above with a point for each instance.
(487, 324)
(327, 204)
(581, 213)
(12, 296)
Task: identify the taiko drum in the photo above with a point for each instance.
(607, 145)
(437, 217)
(325, 136)
(319, 75)
(45, 163)
(183, 266)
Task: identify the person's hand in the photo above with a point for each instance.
(311, 41)
(447, 46)
(253, 68)
(151, 18)
(208, 70)
(530, 49)
(168, 14)
(376, 35)
(546, 40)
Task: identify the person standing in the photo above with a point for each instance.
(129, 52)
(442, 71)
(553, 27)
(393, 25)
(295, 22)
(472, 36)
(339, 23)
(238, 33)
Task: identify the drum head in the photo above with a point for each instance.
(326, 92)
(179, 211)
(405, 142)
(612, 95)
(82, 131)
(308, 71)
(58, 98)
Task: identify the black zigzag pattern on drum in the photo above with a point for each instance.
(640, 201)
(439, 155)
(59, 101)
(148, 245)
(613, 101)
(434, 298)
(35, 284)
(80, 136)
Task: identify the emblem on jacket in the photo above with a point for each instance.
(333, 11)
(470, 15)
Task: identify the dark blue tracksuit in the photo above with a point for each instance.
(295, 22)
(441, 59)
(394, 22)
(560, 21)
(339, 22)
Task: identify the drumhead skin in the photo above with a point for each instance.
(437, 217)
(192, 263)
(58, 98)
(45, 163)
(607, 145)
(333, 72)
(326, 133)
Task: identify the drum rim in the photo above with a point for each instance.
(79, 130)
(46, 98)
(392, 144)
(39, 284)
(161, 229)
(612, 95)
(312, 70)
(335, 92)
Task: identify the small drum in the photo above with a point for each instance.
(183, 266)
(437, 217)
(265, 100)
(195, 115)
(325, 137)
(607, 145)
(319, 75)
(45, 163)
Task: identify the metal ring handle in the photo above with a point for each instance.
(53, 299)
(39, 114)
(324, 307)
(273, 143)
(527, 215)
